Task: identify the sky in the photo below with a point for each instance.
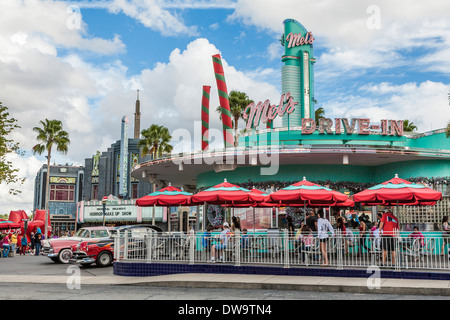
(82, 62)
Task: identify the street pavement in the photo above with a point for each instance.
(41, 270)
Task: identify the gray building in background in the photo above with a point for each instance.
(66, 189)
(109, 172)
(105, 173)
(102, 174)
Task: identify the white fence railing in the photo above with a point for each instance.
(403, 251)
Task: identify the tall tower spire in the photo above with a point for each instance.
(137, 118)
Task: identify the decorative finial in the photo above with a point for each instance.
(170, 184)
(224, 180)
(396, 175)
(304, 178)
(138, 95)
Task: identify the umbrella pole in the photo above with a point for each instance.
(168, 218)
(276, 217)
(254, 230)
(204, 216)
(304, 212)
(153, 217)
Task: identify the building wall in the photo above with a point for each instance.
(332, 172)
(72, 176)
(108, 173)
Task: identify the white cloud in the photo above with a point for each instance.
(343, 31)
(47, 23)
(419, 103)
(172, 91)
(152, 15)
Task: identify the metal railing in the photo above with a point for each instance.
(286, 250)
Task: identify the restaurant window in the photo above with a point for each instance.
(62, 192)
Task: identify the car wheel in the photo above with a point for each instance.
(104, 259)
(65, 255)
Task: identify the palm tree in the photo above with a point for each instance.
(51, 133)
(408, 126)
(238, 102)
(319, 113)
(155, 141)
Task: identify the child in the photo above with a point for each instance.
(23, 244)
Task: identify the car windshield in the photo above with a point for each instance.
(82, 233)
(99, 233)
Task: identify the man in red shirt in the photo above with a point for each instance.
(389, 226)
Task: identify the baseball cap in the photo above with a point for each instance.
(225, 224)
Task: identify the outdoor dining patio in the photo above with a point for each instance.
(278, 247)
(283, 250)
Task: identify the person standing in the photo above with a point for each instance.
(362, 237)
(37, 243)
(445, 234)
(323, 227)
(311, 221)
(14, 243)
(32, 247)
(290, 226)
(389, 227)
(23, 245)
(6, 246)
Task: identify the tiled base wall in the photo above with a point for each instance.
(135, 269)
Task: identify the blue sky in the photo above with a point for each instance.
(376, 59)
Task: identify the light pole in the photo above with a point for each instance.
(104, 201)
(25, 226)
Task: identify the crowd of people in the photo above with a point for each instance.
(383, 231)
(356, 228)
(13, 243)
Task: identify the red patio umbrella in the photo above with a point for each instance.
(307, 193)
(165, 197)
(398, 191)
(168, 196)
(227, 193)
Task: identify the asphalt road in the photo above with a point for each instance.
(42, 266)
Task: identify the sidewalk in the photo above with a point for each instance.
(321, 284)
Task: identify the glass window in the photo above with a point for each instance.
(100, 234)
(83, 233)
(62, 192)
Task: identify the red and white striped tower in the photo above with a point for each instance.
(228, 137)
(205, 117)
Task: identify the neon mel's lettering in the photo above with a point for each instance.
(264, 111)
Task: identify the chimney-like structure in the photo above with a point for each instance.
(137, 118)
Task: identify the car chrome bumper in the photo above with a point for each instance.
(82, 261)
(81, 257)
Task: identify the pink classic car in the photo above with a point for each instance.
(59, 249)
